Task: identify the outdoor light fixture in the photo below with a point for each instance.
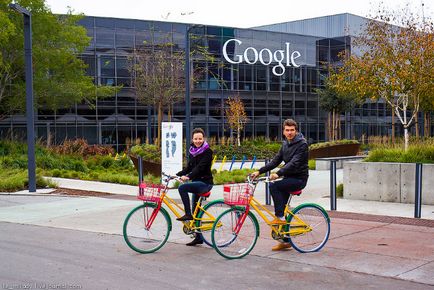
(187, 87)
(31, 163)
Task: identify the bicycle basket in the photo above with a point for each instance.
(237, 193)
(150, 192)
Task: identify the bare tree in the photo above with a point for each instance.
(159, 78)
(236, 115)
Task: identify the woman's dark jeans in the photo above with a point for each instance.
(194, 187)
(280, 192)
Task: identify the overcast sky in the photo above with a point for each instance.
(242, 13)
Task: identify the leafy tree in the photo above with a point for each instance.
(236, 115)
(396, 64)
(335, 103)
(59, 75)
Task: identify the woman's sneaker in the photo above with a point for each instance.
(186, 217)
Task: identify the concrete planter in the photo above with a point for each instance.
(148, 167)
(335, 151)
(391, 182)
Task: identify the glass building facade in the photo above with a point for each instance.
(268, 98)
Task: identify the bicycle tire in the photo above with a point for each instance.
(215, 208)
(319, 222)
(143, 240)
(228, 244)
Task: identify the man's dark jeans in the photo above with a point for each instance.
(280, 192)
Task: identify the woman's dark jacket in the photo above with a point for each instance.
(295, 155)
(199, 167)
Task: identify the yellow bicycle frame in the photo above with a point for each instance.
(207, 218)
(296, 227)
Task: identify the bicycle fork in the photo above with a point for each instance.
(150, 219)
(240, 221)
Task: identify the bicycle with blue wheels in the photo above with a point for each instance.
(236, 230)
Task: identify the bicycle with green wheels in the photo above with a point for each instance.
(307, 226)
(147, 227)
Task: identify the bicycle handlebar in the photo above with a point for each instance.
(265, 179)
(169, 177)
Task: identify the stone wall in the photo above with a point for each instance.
(391, 182)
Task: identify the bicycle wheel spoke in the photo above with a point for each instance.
(145, 229)
(213, 210)
(231, 244)
(314, 235)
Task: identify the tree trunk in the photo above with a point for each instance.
(335, 125)
(329, 126)
(405, 123)
(160, 117)
(416, 124)
(393, 126)
(238, 137)
(427, 124)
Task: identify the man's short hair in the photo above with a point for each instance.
(198, 130)
(290, 122)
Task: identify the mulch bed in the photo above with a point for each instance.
(68, 191)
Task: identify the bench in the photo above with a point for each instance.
(324, 163)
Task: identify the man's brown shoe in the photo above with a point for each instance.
(278, 221)
(281, 246)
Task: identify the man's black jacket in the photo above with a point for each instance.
(295, 155)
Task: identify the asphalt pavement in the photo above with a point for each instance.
(375, 243)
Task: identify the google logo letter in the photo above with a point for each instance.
(276, 56)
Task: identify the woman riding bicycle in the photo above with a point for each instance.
(198, 171)
(295, 172)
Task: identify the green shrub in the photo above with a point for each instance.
(237, 175)
(340, 190)
(106, 161)
(249, 148)
(331, 143)
(56, 172)
(148, 152)
(312, 164)
(16, 162)
(17, 179)
(414, 154)
(49, 162)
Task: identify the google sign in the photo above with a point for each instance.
(265, 56)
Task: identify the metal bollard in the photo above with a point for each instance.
(332, 184)
(139, 160)
(267, 187)
(418, 191)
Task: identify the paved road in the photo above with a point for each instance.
(35, 257)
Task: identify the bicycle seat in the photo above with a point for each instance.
(298, 192)
(205, 194)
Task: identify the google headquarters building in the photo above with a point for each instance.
(275, 69)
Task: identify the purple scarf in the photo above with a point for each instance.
(198, 150)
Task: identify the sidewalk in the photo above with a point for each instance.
(316, 191)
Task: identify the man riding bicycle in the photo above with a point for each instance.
(295, 172)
